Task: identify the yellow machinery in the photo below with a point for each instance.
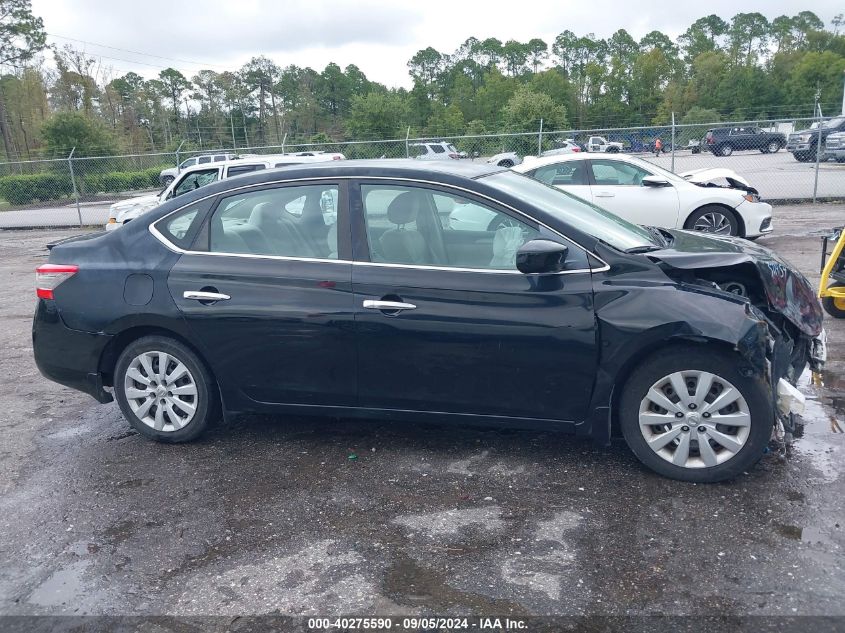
(832, 285)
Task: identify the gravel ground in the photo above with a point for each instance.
(316, 516)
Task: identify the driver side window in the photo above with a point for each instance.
(195, 180)
(426, 227)
(613, 172)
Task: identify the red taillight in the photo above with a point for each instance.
(453, 155)
(709, 138)
(576, 149)
(338, 157)
(49, 276)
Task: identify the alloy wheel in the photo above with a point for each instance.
(713, 222)
(694, 419)
(161, 391)
(774, 146)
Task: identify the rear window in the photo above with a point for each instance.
(236, 170)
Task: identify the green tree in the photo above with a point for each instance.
(66, 130)
(378, 116)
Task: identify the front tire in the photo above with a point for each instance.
(714, 219)
(506, 163)
(834, 306)
(692, 415)
(164, 390)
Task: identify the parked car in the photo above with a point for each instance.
(564, 147)
(694, 145)
(566, 318)
(168, 175)
(724, 141)
(200, 175)
(711, 200)
(434, 151)
(505, 159)
(601, 144)
(834, 146)
(803, 143)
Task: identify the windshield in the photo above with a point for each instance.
(828, 125)
(585, 217)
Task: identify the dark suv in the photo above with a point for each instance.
(803, 143)
(724, 141)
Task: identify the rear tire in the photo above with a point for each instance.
(712, 218)
(804, 157)
(164, 390)
(736, 434)
(834, 306)
(772, 148)
(506, 163)
(725, 150)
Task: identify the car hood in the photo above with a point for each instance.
(712, 174)
(139, 203)
(787, 290)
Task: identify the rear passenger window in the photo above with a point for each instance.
(568, 173)
(437, 149)
(236, 170)
(298, 221)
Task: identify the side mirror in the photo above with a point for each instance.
(655, 181)
(541, 256)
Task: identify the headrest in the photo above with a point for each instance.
(404, 208)
(262, 213)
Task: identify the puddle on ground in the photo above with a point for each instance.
(823, 441)
(63, 587)
(808, 534)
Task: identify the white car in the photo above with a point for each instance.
(505, 159)
(712, 200)
(564, 147)
(439, 150)
(200, 175)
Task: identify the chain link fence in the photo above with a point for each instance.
(786, 160)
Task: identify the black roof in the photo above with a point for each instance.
(445, 171)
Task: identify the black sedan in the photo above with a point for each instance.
(342, 289)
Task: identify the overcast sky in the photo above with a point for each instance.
(377, 35)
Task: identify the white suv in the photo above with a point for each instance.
(168, 175)
(434, 151)
(200, 175)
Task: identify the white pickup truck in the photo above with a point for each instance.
(601, 144)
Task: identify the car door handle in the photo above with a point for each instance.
(388, 306)
(604, 194)
(201, 295)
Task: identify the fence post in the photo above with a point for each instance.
(407, 147)
(673, 144)
(818, 155)
(73, 183)
(232, 123)
(540, 139)
(178, 162)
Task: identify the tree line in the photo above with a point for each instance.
(747, 67)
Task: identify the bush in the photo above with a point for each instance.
(118, 181)
(28, 188)
(25, 189)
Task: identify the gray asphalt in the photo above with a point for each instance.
(323, 516)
